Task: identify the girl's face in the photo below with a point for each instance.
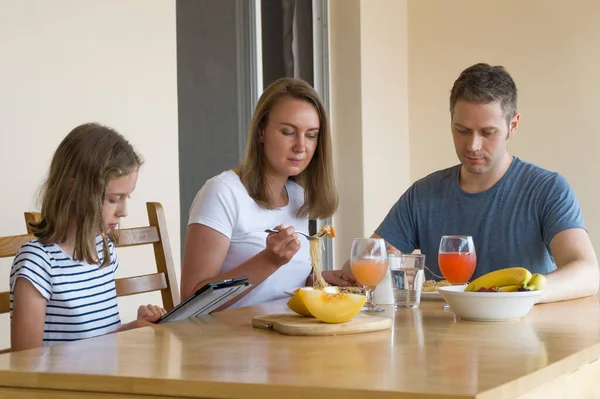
(290, 137)
(118, 191)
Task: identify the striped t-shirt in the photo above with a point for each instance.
(82, 298)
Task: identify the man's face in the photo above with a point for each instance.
(480, 132)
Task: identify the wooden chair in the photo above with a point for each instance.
(9, 246)
(164, 279)
(31, 217)
(155, 234)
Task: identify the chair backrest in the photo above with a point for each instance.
(31, 217)
(155, 233)
(9, 246)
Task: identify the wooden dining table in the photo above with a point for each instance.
(428, 353)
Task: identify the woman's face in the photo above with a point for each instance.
(290, 137)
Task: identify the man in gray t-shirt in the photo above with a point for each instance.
(512, 223)
(517, 213)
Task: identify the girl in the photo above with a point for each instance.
(62, 285)
(285, 178)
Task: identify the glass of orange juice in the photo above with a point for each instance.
(369, 262)
(457, 259)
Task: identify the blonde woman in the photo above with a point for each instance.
(285, 179)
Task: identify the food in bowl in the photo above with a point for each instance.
(512, 279)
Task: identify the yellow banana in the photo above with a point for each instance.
(537, 282)
(509, 288)
(501, 278)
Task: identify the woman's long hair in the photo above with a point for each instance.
(320, 194)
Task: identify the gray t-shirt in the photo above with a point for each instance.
(512, 223)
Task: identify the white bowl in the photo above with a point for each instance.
(489, 306)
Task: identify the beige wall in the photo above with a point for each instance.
(346, 123)
(66, 62)
(551, 50)
(369, 105)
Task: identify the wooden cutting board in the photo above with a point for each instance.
(292, 324)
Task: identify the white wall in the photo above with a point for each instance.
(66, 62)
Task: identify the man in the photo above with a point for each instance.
(517, 213)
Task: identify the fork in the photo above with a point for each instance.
(434, 275)
(310, 238)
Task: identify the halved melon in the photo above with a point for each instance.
(296, 303)
(331, 306)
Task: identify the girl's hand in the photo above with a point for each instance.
(146, 311)
(282, 246)
(144, 322)
(147, 315)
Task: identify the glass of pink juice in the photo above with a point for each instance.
(369, 262)
(457, 259)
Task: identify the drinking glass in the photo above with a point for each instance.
(369, 261)
(408, 274)
(457, 259)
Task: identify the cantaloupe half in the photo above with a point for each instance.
(296, 303)
(328, 305)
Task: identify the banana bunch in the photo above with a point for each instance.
(512, 279)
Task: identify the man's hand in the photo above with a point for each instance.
(341, 278)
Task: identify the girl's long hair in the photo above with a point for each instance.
(84, 162)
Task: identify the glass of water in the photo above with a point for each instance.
(407, 279)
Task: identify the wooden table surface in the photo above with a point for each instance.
(427, 354)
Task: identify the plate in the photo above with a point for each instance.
(292, 292)
(432, 296)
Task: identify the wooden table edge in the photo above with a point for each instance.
(110, 384)
(192, 388)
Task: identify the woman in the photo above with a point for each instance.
(285, 179)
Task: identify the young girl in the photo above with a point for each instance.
(285, 178)
(62, 285)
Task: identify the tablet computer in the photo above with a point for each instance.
(207, 299)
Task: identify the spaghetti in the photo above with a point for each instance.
(316, 246)
(316, 249)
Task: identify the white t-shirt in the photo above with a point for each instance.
(223, 204)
